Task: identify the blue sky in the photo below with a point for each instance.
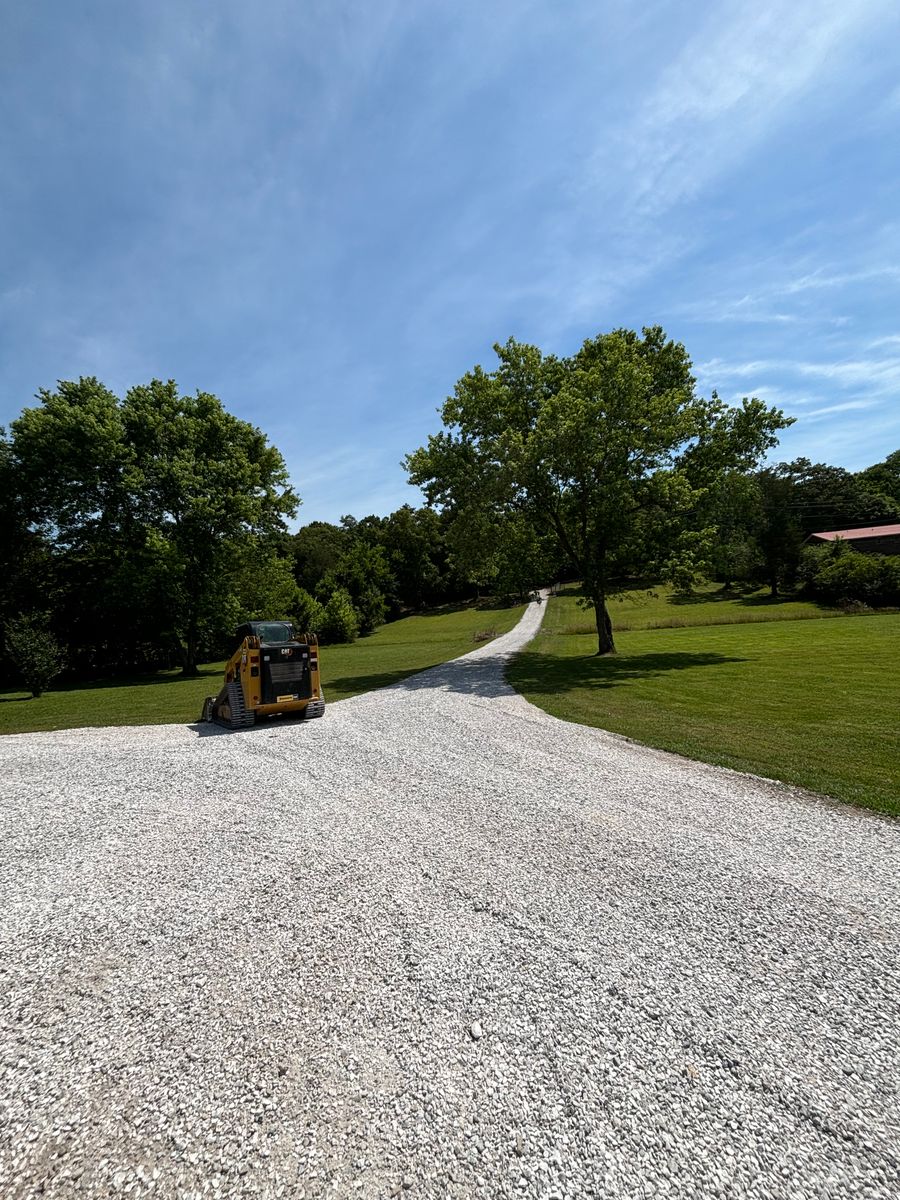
(326, 212)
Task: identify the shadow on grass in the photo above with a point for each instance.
(14, 699)
(485, 604)
(774, 601)
(740, 595)
(484, 676)
(746, 597)
(91, 685)
(542, 675)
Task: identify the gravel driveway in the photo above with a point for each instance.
(437, 944)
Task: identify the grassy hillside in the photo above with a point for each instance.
(391, 653)
(710, 604)
(810, 702)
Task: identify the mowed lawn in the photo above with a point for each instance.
(710, 604)
(810, 702)
(391, 653)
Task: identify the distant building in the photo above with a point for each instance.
(874, 539)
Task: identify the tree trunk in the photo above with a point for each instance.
(605, 643)
(189, 651)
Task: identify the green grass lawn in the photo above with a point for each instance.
(710, 604)
(391, 653)
(813, 703)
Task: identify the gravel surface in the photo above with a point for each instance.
(437, 944)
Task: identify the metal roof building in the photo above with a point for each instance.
(873, 539)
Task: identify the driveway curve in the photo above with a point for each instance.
(437, 944)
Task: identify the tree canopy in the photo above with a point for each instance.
(149, 503)
(611, 449)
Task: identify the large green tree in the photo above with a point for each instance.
(150, 502)
(211, 484)
(883, 479)
(363, 573)
(412, 540)
(316, 549)
(777, 530)
(827, 497)
(611, 449)
(73, 475)
(26, 565)
(501, 554)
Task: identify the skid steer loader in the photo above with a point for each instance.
(272, 672)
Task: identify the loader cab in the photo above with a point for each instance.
(270, 633)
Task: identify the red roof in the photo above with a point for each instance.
(853, 534)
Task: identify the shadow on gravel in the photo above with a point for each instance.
(476, 677)
(541, 674)
(211, 729)
(352, 685)
(214, 729)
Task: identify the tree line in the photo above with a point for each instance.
(613, 455)
(764, 519)
(137, 532)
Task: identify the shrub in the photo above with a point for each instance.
(890, 580)
(812, 560)
(365, 577)
(307, 614)
(850, 577)
(371, 609)
(340, 622)
(34, 651)
(839, 575)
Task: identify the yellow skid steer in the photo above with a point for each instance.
(273, 671)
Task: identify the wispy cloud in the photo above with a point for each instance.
(815, 414)
(854, 439)
(746, 310)
(824, 279)
(735, 79)
(743, 74)
(879, 376)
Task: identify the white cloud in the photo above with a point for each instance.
(856, 440)
(848, 406)
(735, 79)
(822, 279)
(891, 104)
(878, 376)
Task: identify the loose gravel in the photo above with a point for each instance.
(437, 944)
